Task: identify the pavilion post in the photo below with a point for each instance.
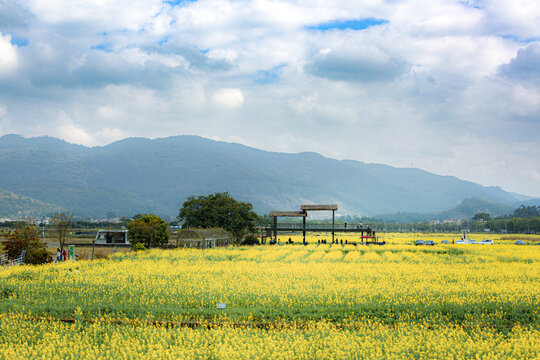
(333, 223)
(275, 228)
(304, 230)
(302, 213)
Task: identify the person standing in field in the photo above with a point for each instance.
(64, 255)
(58, 255)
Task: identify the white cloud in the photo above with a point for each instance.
(363, 64)
(109, 112)
(229, 98)
(70, 132)
(409, 90)
(66, 129)
(108, 135)
(518, 17)
(5, 122)
(8, 55)
(122, 14)
(525, 66)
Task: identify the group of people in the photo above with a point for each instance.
(337, 242)
(319, 242)
(278, 242)
(324, 241)
(62, 255)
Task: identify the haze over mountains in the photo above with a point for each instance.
(138, 175)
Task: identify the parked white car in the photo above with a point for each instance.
(466, 241)
(486, 242)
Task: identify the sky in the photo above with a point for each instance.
(450, 87)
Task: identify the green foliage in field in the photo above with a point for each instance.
(283, 302)
(392, 284)
(150, 230)
(23, 338)
(218, 210)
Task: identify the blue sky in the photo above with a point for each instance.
(451, 87)
(350, 24)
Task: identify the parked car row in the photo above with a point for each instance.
(465, 241)
(424, 242)
(522, 242)
(462, 241)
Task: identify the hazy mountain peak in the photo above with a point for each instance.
(136, 175)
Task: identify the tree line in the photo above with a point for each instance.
(217, 210)
(220, 210)
(525, 219)
(510, 225)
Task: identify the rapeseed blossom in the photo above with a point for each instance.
(291, 301)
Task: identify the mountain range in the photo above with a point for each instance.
(463, 211)
(138, 175)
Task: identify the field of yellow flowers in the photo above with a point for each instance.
(290, 301)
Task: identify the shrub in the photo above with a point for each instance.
(250, 240)
(13, 246)
(37, 256)
(25, 237)
(139, 247)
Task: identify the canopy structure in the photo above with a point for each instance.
(303, 213)
(288, 213)
(370, 234)
(202, 238)
(311, 207)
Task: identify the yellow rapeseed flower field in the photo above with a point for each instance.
(301, 302)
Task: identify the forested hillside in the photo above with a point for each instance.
(15, 205)
(140, 175)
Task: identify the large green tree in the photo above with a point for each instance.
(218, 210)
(150, 230)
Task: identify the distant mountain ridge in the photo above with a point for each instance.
(19, 205)
(137, 175)
(463, 211)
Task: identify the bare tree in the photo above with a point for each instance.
(62, 225)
